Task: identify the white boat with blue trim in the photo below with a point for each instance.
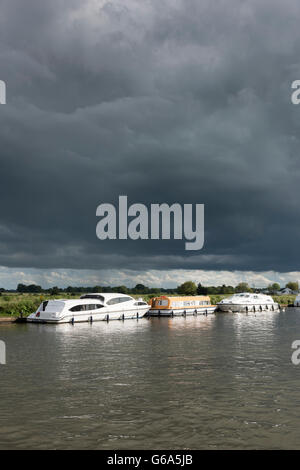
(89, 308)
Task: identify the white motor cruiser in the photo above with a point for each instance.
(297, 301)
(246, 302)
(89, 308)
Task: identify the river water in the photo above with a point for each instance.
(224, 381)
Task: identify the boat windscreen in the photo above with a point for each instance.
(93, 296)
(52, 306)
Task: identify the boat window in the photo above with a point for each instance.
(114, 301)
(140, 303)
(125, 299)
(93, 296)
(81, 308)
(163, 302)
(77, 308)
(118, 300)
(45, 303)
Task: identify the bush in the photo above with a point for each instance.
(15, 305)
(187, 288)
(284, 299)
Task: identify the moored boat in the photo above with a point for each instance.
(297, 301)
(89, 308)
(247, 302)
(187, 305)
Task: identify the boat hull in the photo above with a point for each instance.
(91, 317)
(181, 312)
(247, 308)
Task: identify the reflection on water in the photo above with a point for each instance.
(221, 381)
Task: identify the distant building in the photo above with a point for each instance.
(286, 291)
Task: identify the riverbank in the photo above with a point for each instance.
(14, 305)
(10, 319)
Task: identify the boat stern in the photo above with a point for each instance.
(48, 312)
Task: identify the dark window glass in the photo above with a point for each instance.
(81, 308)
(114, 301)
(93, 296)
(76, 308)
(118, 300)
(125, 299)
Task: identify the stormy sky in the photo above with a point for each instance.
(163, 101)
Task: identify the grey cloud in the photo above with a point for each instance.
(186, 104)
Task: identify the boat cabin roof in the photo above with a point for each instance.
(183, 298)
(88, 298)
(251, 294)
(103, 296)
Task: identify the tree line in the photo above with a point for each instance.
(187, 288)
(190, 288)
(138, 289)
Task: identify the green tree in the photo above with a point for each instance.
(34, 288)
(21, 288)
(69, 289)
(272, 288)
(225, 289)
(30, 288)
(97, 289)
(122, 289)
(187, 288)
(140, 289)
(229, 290)
(201, 290)
(154, 290)
(243, 287)
(292, 286)
(54, 290)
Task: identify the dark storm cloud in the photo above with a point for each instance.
(187, 103)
